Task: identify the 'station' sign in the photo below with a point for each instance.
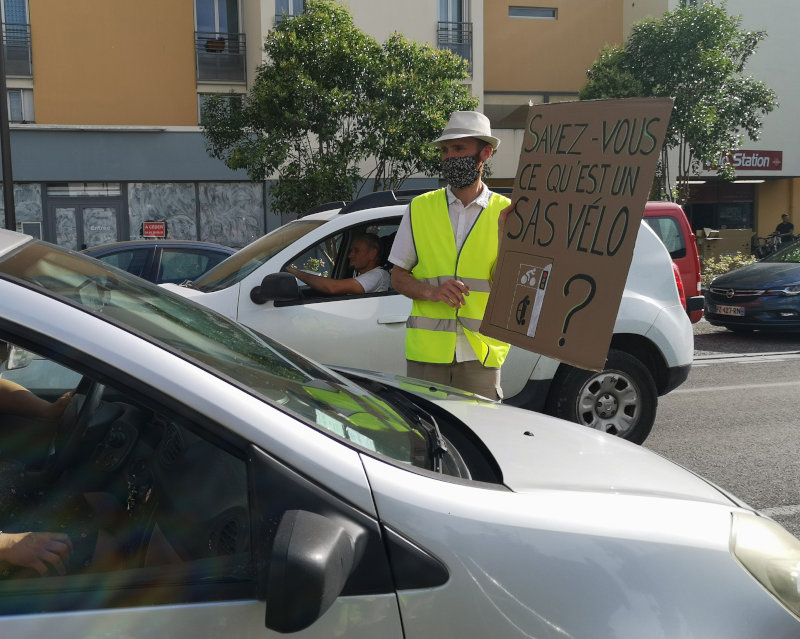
(585, 171)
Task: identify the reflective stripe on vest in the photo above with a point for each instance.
(431, 327)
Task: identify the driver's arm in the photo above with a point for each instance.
(17, 399)
(329, 285)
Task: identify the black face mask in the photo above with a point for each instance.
(461, 172)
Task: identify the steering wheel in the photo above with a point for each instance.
(73, 425)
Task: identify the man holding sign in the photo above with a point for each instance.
(444, 257)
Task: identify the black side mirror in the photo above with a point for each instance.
(312, 558)
(280, 287)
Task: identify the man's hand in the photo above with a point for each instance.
(56, 409)
(452, 293)
(35, 550)
(501, 222)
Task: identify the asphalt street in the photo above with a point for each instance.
(734, 421)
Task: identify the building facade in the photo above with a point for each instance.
(537, 54)
(104, 103)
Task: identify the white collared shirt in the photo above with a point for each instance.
(462, 219)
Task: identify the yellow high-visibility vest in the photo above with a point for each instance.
(431, 327)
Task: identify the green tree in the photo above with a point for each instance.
(696, 55)
(331, 108)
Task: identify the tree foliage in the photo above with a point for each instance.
(696, 55)
(331, 108)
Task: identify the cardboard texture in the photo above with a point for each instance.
(584, 175)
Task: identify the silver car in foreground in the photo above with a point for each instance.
(216, 483)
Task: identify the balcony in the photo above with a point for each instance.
(17, 42)
(456, 36)
(220, 57)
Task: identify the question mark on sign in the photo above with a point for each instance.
(589, 297)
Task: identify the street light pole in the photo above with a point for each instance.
(5, 139)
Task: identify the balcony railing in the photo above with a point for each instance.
(456, 36)
(17, 42)
(220, 56)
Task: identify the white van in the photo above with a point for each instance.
(651, 350)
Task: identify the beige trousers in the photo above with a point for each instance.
(469, 376)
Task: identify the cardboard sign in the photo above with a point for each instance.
(154, 229)
(585, 172)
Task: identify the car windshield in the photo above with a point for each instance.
(278, 375)
(790, 254)
(243, 262)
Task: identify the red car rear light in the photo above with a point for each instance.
(679, 283)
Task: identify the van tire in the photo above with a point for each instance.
(620, 400)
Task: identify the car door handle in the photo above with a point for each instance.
(393, 319)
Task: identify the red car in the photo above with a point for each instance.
(670, 223)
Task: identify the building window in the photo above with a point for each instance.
(221, 16)
(454, 11)
(17, 38)
(219, 43)
(20, 105)
(288, 9)
(455, 28)
(84, 189)
(536, 13)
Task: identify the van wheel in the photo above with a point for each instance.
(620, 400)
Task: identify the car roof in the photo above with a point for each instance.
(165, 243)
(378, 199)
(656, 207)
(9, 240)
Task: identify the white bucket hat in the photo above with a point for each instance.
(468, 124)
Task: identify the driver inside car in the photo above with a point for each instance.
(89, 485)
(34, 550)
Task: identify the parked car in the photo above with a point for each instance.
(670, 223)
(651, 350)
(761, 296)
(235, 484)
(162, 260)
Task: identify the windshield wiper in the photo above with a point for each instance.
(437, 447)
(424, 422)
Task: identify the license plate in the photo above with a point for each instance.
(730, 310)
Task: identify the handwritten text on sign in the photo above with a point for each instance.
(585, 171)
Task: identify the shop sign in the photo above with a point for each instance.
(154, 229)
(752, 160)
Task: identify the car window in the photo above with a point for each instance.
(180, 264)
(329, 257)
(285, 379)
(239, 265)
(322, 258)
(133, 260)
(146, 499)
(669, 231)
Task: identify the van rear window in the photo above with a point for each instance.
(669, 231)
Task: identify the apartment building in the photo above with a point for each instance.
(539, 54)
(104, 103)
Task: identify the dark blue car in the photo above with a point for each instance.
(761, 296)
(162, 261)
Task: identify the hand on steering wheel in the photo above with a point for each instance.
(73, 424)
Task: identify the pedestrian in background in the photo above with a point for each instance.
(785, 230)
(444, 257)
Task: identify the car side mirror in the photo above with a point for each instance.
(278, 287)
(18, 358)
(312, 558)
